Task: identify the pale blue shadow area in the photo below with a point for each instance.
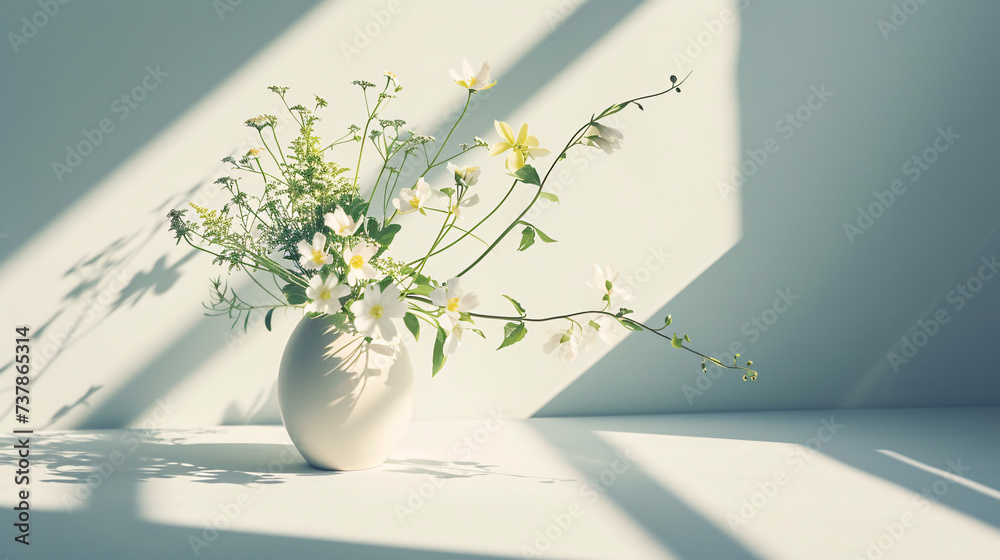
(67, 77)
(854, 297)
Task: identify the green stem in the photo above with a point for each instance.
(573, 140)
(578, 313)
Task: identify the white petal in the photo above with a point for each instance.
(439, 297)
(468, 302)
(552, 342)
(386, 328)
(454, 287)
(484, 73)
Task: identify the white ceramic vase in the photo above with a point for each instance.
(345, 405)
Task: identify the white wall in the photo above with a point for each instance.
(97, 275)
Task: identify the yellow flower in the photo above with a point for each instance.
(472, 81)
(521, 147)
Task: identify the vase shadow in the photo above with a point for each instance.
(458, 469)
(141, 456)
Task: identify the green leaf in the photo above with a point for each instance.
(549, 196)
(608, 285)
(513, 333)
(439, 357)
(448, 191)
(541, 234)
(527, 174)
(411, 322)
(387, 234)
(517, 306)
(295, 294)
(383, 283)
(479, 332)
(267, 319)
(421, 290)
(527, 238)
(677, 342)
(612, 110)
(372, 226)
(543, 237)
(630, 325)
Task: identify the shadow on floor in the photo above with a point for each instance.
(937, 439)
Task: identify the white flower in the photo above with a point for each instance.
(468, 175)
(412, 200)
(342, 224)
(456, 208)
(606, 330)
(374, 313)
(567, 342)
(314, 256)
(454, 339)
(454, 301)
(358, 267)
(604, 280)
(604, 137)
(325, 295)
(470, 80)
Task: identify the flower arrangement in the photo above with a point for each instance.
(310, 227)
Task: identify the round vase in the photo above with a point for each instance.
(346, 405)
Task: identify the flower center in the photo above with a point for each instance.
(415, 202)
(377, 311)
(318, 257)
(472, 81)
(324, 295)
(357, 262)
(452, 304)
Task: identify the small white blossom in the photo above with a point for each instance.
(374, 314)
(606, 330)
(325, 294)
(413, 200)
(604, 137)
(456, 209)
(454, 339)
(314, 255)
(471, 80)
(604, 282)
(342, 224)
(454, 301)
(567, 342)
(468, 175)
(358, 267)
